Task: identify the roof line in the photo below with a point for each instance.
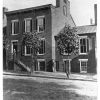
(72, 19)
(31, 8)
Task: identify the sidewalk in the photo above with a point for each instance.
(57, 75)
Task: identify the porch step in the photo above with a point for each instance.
(23, 65)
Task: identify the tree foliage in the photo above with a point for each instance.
(67, 40)
(32, 40)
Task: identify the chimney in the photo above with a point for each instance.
(68, 7)
(4, 11)
(95, 13)
(57, 3)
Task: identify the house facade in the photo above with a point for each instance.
(47, 21)
(85, 60)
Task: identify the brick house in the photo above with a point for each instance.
(85, 60)
(47, 20)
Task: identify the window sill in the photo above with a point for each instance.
(15, 34)
(27, 55)
(83, 53)
(83, 72)
(40, 31)
(66, 54)
(40, 54)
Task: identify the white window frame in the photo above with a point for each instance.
(40, 60)
(12, 45)
(26, 52)
(38, 25)
(12, 28)
(81, 66)
(44, 48)
(82, 37)
(25, 22)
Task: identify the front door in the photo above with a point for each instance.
(14, 46)
(41, 65)
(66, 65)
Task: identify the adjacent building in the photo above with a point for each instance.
(85, 60)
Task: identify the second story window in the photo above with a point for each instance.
(83, 45)
(28, 25)
(42, 47)
(14, 27)
(40, 23)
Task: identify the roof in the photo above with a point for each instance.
(29, 9)
(72, 19)
(86, 29)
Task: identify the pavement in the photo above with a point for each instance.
(56, 75)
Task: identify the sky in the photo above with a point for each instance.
(81, 10)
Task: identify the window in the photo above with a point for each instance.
(42, 47)
(40, 24)
(28, 25)
(14, 27)
(14, 46)
(83, 65)
(83, 45)
(28, 50)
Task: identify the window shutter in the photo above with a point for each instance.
(23, 50)
(14, 28)
(44, 46)
(11, 27)
(23, 26)
(17, 27)
(87, 45)
(44, 23)
(36, 25)
(31, 25)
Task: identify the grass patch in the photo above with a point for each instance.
(32, 90)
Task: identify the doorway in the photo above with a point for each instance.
(14, 46)
(41, 65)
(67, 65)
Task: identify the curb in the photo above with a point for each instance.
(43, 76)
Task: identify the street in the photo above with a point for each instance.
(36, 88)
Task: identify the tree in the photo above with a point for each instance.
(33, 41)
(67, 40)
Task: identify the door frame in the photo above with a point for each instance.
(12, 41)
(38, 66)
(69, 63)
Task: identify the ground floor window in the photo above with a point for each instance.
(41, 65)
(83, 65)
